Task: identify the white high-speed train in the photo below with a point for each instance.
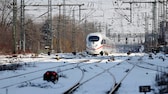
(97, 43)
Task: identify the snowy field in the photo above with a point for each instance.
(28, 78)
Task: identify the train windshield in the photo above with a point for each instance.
(93, 38)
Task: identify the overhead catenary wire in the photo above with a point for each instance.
(93, 7)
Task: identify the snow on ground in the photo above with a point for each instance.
(100, 85)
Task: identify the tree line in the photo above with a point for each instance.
(37, 34)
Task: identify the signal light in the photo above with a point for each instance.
(51, 76)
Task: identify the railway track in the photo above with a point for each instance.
(70, 65)
(146, 65)
(77, 84)
(78, 66)
(117, 85)
(153, 69)
(114, 85)
(30, 75)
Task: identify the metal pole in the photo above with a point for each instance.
(155, 24)
(73, 33)
(58, 32)
(14, 25)
(22, 32)
(6, 90)
(79, 13)
(165, 22)
(50, 24)
(130, 12)
(63, 27)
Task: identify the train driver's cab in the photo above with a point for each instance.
(93, 39)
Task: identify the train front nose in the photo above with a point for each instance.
(92, 45)
(93, 41)
(92, 48)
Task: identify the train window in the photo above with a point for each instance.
(103, 41)
(93, 38)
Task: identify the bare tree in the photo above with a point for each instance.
(81, 32)
(5, 13)
(32, 36)
(5, 22)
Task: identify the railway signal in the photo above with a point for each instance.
(51, 76)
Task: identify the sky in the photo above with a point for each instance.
(33, 83)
